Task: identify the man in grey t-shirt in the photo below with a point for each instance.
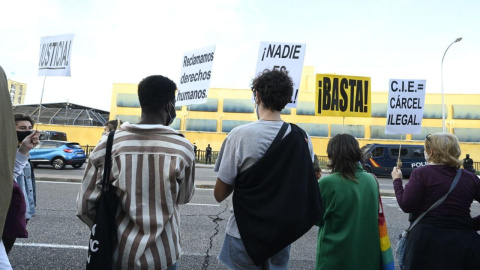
(242, 148)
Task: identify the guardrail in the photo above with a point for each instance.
(200, 157)
(88, 149)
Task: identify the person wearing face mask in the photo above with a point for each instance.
(446, 237)
(267, 165)
(153, 168)
(25, 185)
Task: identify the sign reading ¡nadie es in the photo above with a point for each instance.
(345, 96)
(195, 76)
(55, 52)
(283, 56)
(406, 99)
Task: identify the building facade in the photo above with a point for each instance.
(18, 91)
(225, 109)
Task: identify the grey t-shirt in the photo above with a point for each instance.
(242, 148)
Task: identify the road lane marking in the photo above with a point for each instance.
(202, 204)
(42, 245)
(51, 246)
(58, 182)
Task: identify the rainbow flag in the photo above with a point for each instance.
(385, 247)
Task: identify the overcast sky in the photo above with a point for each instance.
(125, 41)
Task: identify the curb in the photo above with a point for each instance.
(198, 184)
(56, 179)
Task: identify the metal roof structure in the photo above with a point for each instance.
(64, 113)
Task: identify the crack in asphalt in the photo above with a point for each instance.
(216, 219)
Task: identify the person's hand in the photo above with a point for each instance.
(396, 173)
(29, 143)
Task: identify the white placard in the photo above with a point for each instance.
(406, 100)
(195, 76)
(55, 52)
(283, 56)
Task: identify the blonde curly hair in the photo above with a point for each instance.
(446, 149)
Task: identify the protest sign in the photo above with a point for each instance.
(344, 96)
(406, 100)
(55, 53)
(283, 56)
(195, 76)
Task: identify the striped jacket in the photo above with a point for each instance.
(153, 169)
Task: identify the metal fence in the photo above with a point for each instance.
(88, 149)
(201, 157)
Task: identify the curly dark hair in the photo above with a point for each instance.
(23, 117)
(154, 93)
(344, 153)
(275, 88)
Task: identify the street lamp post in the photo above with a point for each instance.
(443, 95)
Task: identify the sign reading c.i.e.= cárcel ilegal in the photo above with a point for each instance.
(195, 76)
(344, 96)
(406, 99)
(55, 53)
(285, 57)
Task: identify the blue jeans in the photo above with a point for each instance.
(234, 256)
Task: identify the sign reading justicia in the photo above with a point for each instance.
(55, 53)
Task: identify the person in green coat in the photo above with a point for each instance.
(348, 236)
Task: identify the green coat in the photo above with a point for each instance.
(348, 237)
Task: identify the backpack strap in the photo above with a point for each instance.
(108, 161)
(279, 137)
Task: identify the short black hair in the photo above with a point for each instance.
(23, 117)
(344, 153)
(275, 88)
(155, 92)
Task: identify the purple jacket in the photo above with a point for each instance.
(15, 223)
(428, 183)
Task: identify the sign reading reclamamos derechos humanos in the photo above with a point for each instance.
(55, 53)
(406, 99)
(195, 76)
(283, 56)
(341, 95)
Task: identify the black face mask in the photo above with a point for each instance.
(21, 135)
(171, 114)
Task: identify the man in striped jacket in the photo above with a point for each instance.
(153, 169)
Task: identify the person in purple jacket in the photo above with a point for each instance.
(446, 238)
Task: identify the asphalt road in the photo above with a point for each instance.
(58, 239)
(202, 174)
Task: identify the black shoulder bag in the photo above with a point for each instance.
(277, 200)
(102, 237)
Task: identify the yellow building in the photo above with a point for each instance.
(18, 91)
(225, 109)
